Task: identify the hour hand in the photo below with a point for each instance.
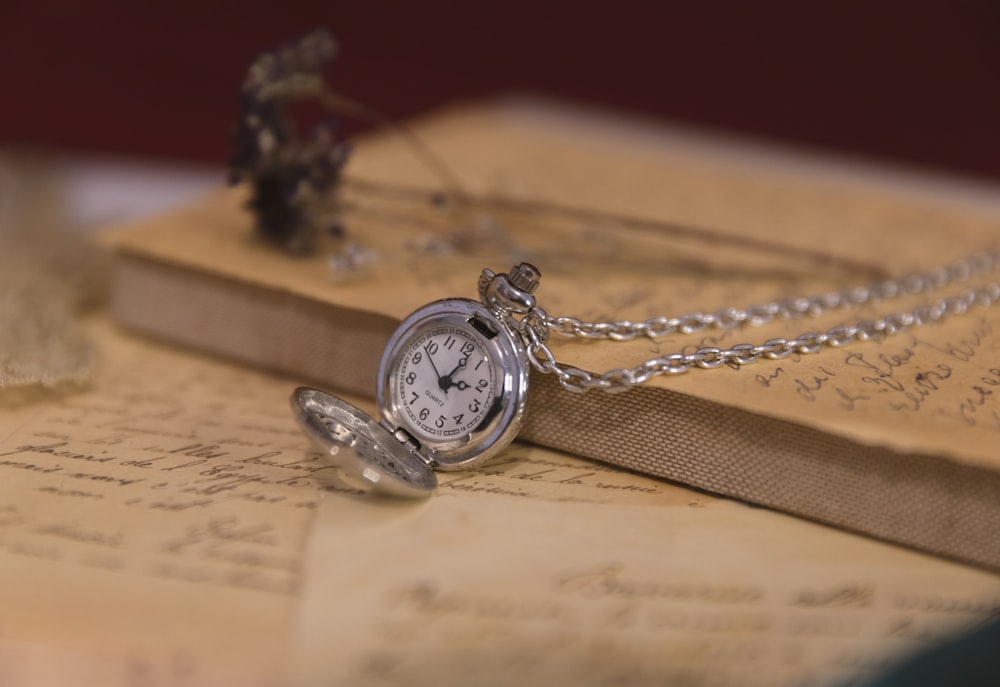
(447, 381)
(461, 364)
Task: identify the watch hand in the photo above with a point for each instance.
(441, 380)
(447, 382)
(461, 363)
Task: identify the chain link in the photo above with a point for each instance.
(535, 327)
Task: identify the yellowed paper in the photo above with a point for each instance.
(154, 531)
(152, 528)
(663, 586)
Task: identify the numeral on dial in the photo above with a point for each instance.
(437, 376)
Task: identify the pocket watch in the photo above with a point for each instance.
(452, 387)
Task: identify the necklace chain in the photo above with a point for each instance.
(537, 324)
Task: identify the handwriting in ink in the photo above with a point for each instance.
(201, 451)
(976, 399)
(884, 366)
(56, 450)
(610, 581)
(468, 484)
(908, 392)
(426, 598)
(849, 401)
(78, 533)
(967, 347)
(992, 378)
(841, 596)
(807, 388)
(768, 380)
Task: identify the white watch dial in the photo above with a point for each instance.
(445, 382)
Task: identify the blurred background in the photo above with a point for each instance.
(907, 81)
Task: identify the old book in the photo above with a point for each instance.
(896, 438)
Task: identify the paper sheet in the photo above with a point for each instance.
(657, 585)
(155, 530)
(152, 528)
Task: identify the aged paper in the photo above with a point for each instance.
(155, 531)
(152, 527)
(523, 579)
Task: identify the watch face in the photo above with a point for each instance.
(445, 381)
(455, 380)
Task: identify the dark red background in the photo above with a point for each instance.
(911, 81)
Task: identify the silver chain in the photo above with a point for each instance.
(537, 324)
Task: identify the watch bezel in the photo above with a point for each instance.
(485, 441)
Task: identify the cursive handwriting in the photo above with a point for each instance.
(808, 387)
(841, 596)
(904, 377)
(524, 472)
(610, 581)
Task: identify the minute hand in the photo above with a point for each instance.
(441, 380)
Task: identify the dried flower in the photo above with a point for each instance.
(293, 180)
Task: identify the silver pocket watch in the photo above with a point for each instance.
(452, 388)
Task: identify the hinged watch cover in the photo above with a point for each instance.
(452, 389)
(369, 456)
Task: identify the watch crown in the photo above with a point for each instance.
(509, 293)
(524, 277)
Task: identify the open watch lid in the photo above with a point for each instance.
(370, 457)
